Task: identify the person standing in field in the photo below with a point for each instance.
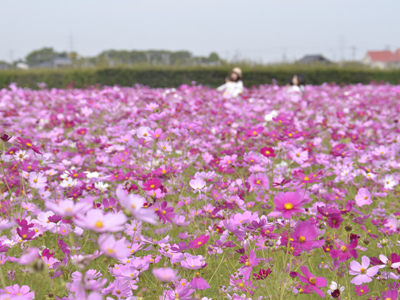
(297, 84)
(296, 88)
(233, 86)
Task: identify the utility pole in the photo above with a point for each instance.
(71, 42)
(354, 49)
(284, 56)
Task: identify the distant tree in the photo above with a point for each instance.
(42, 55)
(214, 57)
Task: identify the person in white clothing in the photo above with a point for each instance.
(233, 86)
(297, 84)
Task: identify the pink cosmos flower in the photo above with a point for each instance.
(113, 248)
(361, 290)
(243, 285)
(32, 255)
(298, 155)
(312, 281)
(254, 131)
(194, 263)
(227, 160)
(304, 236)
(151, 184)
(157, 134)
(134, 203)
(67, 208)
(16, 290)
(288, 204)
(197, 184)
(259, 181)
(97, 221)
(364, 274)
(363, 197)
(251, 262)
(166, 274)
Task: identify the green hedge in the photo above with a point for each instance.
(172, 77)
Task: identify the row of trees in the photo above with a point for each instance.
(43, 58)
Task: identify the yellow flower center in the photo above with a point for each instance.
(99, 224)
(29, 144)
(344, 248)
(312, 280)
(288, 206)
(302, 239)
(363, 271)
(267, 152)
(306, 178)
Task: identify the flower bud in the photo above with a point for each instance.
(348, 228)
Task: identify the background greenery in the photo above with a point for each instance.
(167, 76)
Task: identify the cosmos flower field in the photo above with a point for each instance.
(139, 193)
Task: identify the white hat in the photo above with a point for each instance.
(237, 71)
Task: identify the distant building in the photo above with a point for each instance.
(4, 65)
(382, 59)
(22, 66)
(56, 63)
(314, 59)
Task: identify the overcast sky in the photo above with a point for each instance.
(261, 30)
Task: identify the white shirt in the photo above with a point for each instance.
(232, 89)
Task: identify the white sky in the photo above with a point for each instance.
(261, 30)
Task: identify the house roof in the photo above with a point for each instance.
(384, 56)
(313, 58)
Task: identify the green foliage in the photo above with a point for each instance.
(45, 54)
(175, 76)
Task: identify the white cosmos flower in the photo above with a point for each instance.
(92, 174)
(21, 155)
(197, 184)
(68, 182)
(101, 186)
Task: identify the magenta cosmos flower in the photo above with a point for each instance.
(391, 295)
(267, 152)
(250, 262)
(166, 214)
(288, 204)
(28, 143)
(312, 281)
(304, 236)
(198, 242)
(344, 252)
(364, 274)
